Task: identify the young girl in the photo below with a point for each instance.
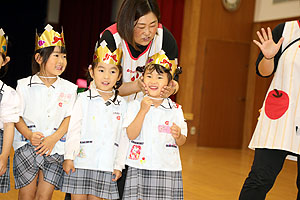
(156, 128)
(9, 114)
(46, 104)
(94, 133)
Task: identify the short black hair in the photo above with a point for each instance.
(159, 69)
(45, 54)
(130, 11)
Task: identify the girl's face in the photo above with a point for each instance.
(56, 63)
(145, 29)
(155, 82)
(105, 76)
(2, 61)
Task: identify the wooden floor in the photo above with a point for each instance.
(216, 174)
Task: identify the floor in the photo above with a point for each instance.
(215, 174)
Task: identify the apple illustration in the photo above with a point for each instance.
(276, 104)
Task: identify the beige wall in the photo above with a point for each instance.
(265, 10)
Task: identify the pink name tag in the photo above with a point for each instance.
(164, 129)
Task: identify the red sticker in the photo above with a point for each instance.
(60, 104)
(118, 117)
(167, 123)
(135, 152)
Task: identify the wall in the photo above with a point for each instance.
(265, 10)
(206, 20)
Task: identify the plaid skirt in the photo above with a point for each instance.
(27, 164)
(94, 182)
(153, 184)
(4, 179)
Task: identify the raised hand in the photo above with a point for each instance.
(146, 104)
(267, 46)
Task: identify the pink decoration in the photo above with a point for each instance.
(41, 42)
(81, 83)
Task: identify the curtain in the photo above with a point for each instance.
(82, 23)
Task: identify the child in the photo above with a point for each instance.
(9, 114)
(156, 128)
(46, 104)
(95, 128)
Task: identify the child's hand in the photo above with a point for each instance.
(46, 146)
(116, 175)
(142, 85)
(168, 90)
(68, 166)
(3, 164)
(36, 138)
(146, 104)
(175, 131)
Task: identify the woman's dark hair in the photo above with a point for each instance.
(130, 11)
(118, 83)
(159, 69)
(45, 54)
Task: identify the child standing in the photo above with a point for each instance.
(9, 114)
(156, 128)
(94, 133)
(46, 104)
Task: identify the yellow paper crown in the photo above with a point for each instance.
(104, 55)
(162, 59)
(49, 38)
(3, 42)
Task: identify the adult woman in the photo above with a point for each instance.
(277, 132)
(140, 36)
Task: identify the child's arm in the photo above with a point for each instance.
(34, 137)
(176, 133)
(134, 129)
(8, 136)
(49, 142)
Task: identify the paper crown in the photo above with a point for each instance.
(104, 55)
(3, 42)
(163, 60)
(49, 38)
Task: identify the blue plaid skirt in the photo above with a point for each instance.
(153, 184)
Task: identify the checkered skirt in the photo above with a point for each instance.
(153, 184)
(27, 164)
(4, 179)
(94, 182)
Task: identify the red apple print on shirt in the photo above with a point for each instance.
(132, 78)
(276, 104)
(167, 123)
(60, 104)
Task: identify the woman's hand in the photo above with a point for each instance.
(267, 46)
(170, 89)
(116, 175)
(3, 164)
(46, 146)
(36, 138)
(142, 85)
(68, 165)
